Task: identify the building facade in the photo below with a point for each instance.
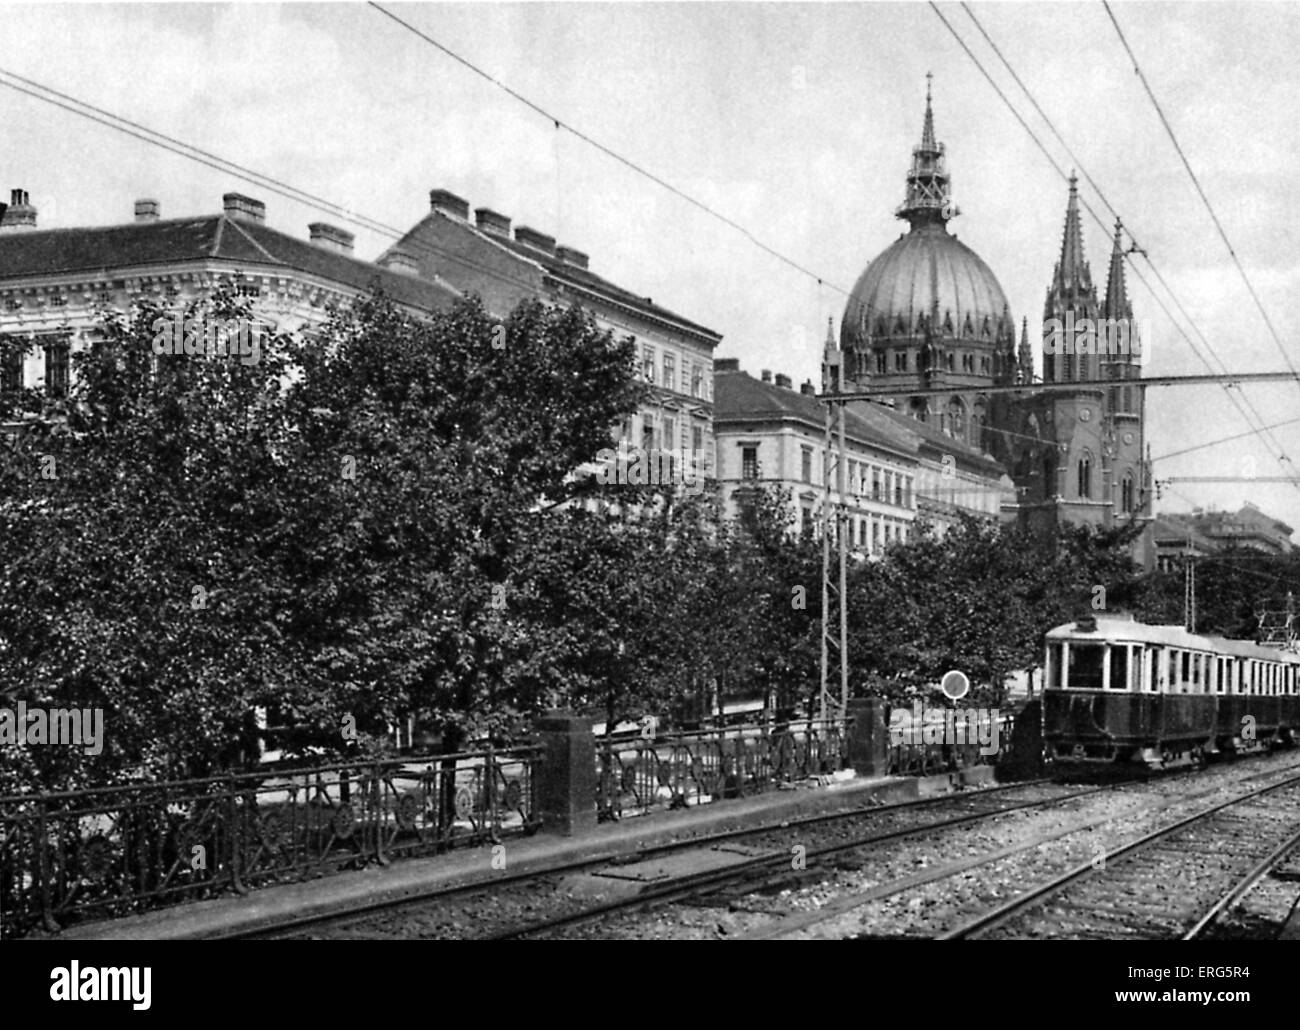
(482, 255)
(57, 284)
(770, 434)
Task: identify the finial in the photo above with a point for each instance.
(1074, 182)
(929, 76)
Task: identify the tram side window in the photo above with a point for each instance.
(1197, 660)
(1186, 676)
(1220, 671)
(1055, 656)
(1239, 675)
(1153, 669)
(1119, 667)
(1085, 666)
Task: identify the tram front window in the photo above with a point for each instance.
(1085, 666)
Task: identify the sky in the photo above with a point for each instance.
(794, 120)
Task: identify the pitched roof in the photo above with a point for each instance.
(739, 397)
(52, 252)
(437, 223)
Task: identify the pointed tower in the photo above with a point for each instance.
(1072, 298)
(1025, 358)
(927, 312)
(929, 186)
(1118, 341)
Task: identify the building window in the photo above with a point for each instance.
(806, 526)
(648, 363)
(697, 382)
(807, 464)
(898, 491)
(875, 537)
(670, 371)
(749, 463)
(900, 361)
(670, 433)
(697, 439)
(875, 484)
(56, 368)
(882, 363)
(1126, 493)
(648, 434)
(1085, 477)
(956, 419)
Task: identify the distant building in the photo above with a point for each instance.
(899, 474)
(1201, 532)
(56, 283)
(928, 314)
(771, 434)
(481, 255)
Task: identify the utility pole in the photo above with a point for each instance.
(835, 646)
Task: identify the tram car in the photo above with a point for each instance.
(1118, 690)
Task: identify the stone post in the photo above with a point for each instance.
(868, 736)
(566, 776)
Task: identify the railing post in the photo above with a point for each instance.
(43, 862)
(868, 740)
(567, 777)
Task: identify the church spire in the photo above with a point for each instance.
(1073, 269)
(1116, 304)
(929, 186)
(927, 131)
(1025, 358)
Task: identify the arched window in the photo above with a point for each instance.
(917, 409)
(1085, 476)
(956, 427)
(1126, 493)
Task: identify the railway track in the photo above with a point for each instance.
(747, 852)
(1174, 882)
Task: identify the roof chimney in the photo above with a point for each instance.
(449, 204)
(147, 210)
(489, 221)
(726, 365)
(807, 389)
(785, 382)
(536, 239)
(398, 260)
(766, 375)
(572, 257)
(20, 216)
(331, 237)
(242, 208)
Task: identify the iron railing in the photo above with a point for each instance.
(112, 851)
(914, 757)
(636, 776)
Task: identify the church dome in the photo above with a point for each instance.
(928, 306)
(926, 273)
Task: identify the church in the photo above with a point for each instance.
(929, 314)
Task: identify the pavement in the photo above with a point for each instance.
(268, 906)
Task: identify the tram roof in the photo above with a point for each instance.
(1126, 629)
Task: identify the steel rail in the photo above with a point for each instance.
(1003, 913)
(613, 857)
(693, 884)
(1256, 873)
